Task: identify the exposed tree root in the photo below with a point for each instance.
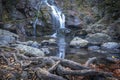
(19, 66)
(62, 71)
(45, 75)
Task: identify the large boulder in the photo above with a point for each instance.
(73, 21)
(98, 38)
(78, 42)
(7, 37)
(30, 51)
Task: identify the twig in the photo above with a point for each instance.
(53, 67)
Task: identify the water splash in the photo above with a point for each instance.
(58, 21)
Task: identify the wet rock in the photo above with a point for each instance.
(110, 45)
(33, 44)
(48, 42)
(30, 51)
(78, 42)
(30, 43)
(93, 48)
(7, 37)
(45, 50)
(25, 43)
(98, 38)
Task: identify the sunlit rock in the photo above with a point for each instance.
(30, 51)
(78, 42)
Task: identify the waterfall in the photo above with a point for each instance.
(58, 21)
(38, 6)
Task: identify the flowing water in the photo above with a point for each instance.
(58, 21)
(58, 24)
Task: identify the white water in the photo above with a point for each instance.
(58, 21)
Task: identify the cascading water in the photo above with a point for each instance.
(36, 19)
(58, 21)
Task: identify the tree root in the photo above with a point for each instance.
(71, 64)
(45, 75)
(53, 68)
(62, 71)
(45, 68)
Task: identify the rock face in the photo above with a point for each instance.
(30, 51)
(98, 38)
(5, 32)
(110, 45)
(96, 28)
(88, 19)
(73, 21)
(78, 42)
(7, 37)
(114, 29)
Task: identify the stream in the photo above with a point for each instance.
(62, 50)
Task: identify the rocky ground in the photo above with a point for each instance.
(31, 60)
